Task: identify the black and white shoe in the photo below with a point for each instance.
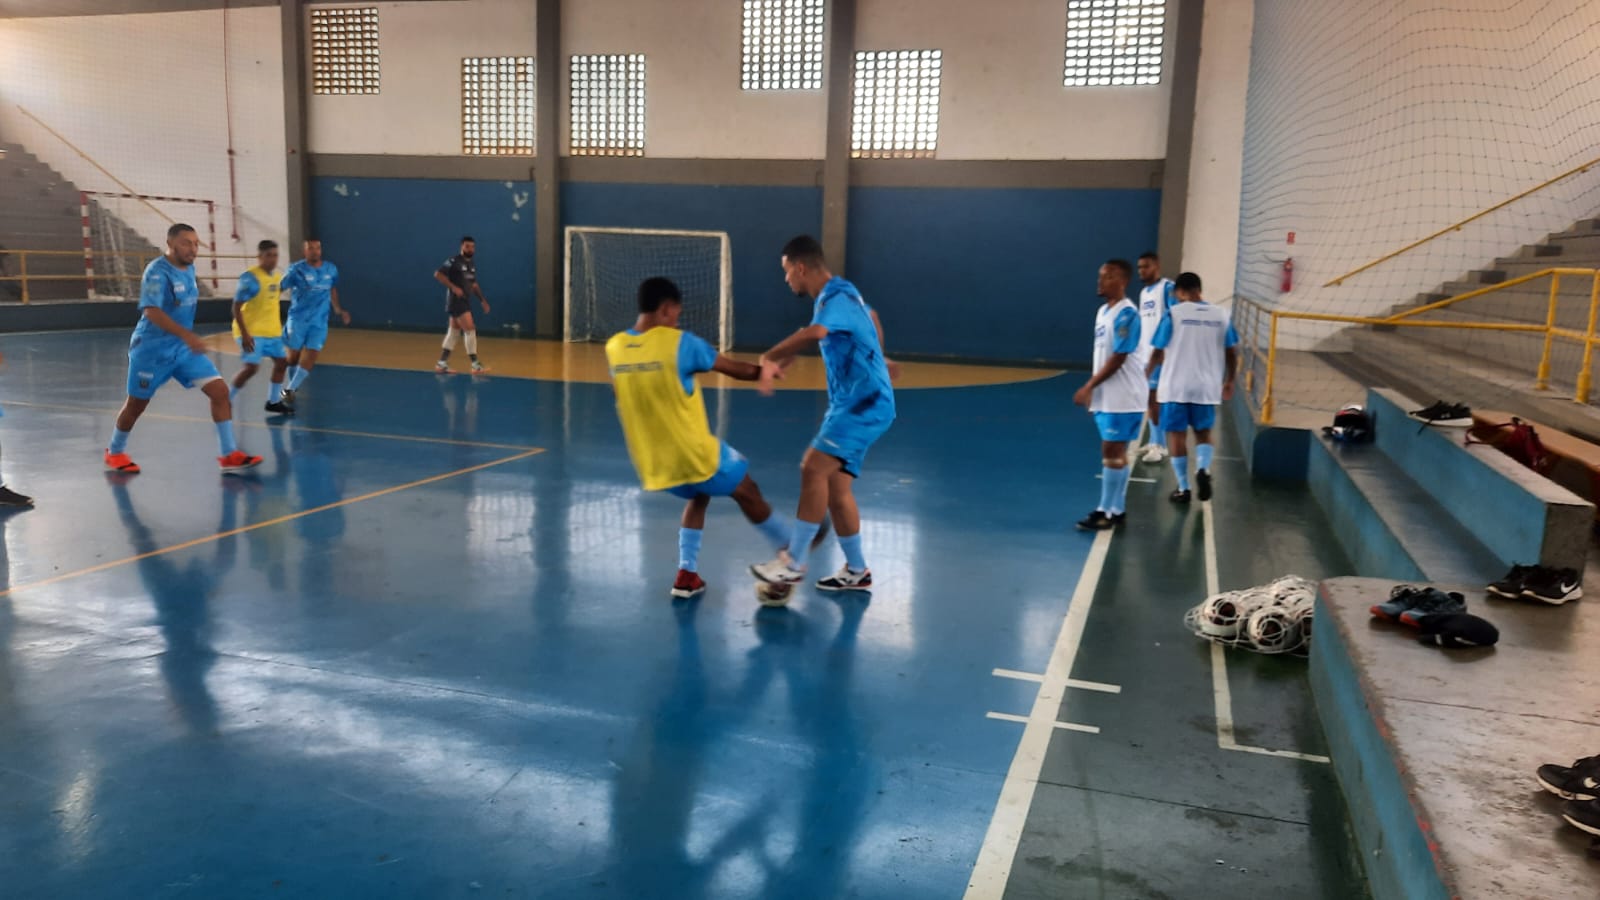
(1449, 415)
(1101, 521)
(288, 398)
(1202, 483)
(846, 580)
(279, 408)
(1582, 814)
(1510, 587)
(1579, 781)
(13, 500)
(1180, 497)
(1553, 586)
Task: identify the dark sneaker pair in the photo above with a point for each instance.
(1542, 583)
(1099, 520)
(1579, 781)
(10, 499)
(1450, 415)
(1409, 604)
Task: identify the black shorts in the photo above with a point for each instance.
(457, 306)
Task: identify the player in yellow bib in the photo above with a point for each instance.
(653, 367)
(258, 327)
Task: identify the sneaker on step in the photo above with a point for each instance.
(10, 498)
(121, 462)
(1510, 587)
(846, 580)
(1433, 602)
(237, 462)
(1202, 483)
(1553, 586)
(1401, 598)
(1450, 415)
(1579, 781)
(1153, 453)
(1582, 814)
(688, 585)
(778, 571)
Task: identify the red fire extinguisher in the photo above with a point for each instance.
(1288, 275)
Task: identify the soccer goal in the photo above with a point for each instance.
(605, 265)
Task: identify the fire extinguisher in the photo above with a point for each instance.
(1288, 275)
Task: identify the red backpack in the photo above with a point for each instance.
(1518, 440)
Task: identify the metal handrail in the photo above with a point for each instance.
(23, 277)
(1552, 332)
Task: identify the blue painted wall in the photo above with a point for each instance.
(388, 235)
(1005, 274)
(758, 219)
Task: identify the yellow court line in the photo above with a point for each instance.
(270, 522)
(169, 417)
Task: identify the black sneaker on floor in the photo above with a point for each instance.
(14, 500)
(1179, 496)
(1553, 586)
(1095, 521)
(1579, 781)
(1583, 814)
(280, 409)
(1510, 587)
(1450, 415)
(288, 398)
(1202, 482)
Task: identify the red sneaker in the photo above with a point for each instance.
(689, 584)
(237, 462)
(119, 462)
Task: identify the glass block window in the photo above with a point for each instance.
(497, 106)
(344, 50)
(1114, 42)
(782, 45)
(608, 105)
(896, 104)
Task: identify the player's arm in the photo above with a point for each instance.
(159, 318)
(482, 300)
(894, 367)
(333, 294)
(1230, 365)
(791, 346)
(733, 368)
(443, 278)
(1158, 344)
(244, 293)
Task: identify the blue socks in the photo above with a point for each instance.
(800, 541)
(1113, 490)
(852, 552)
(119, 440)
(297, 377)
(225, 437)
(776, 529)
(1202, 457)
(689, 549)
(1180, 467)
(275, 393)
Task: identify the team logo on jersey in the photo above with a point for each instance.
(145, 378)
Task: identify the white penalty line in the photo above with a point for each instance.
(1136, 479)
(999, 850)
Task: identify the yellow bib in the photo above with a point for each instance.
(668, 435)
(261, 312)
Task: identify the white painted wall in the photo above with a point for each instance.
(143, 95)
(1002, 96)
(1211, 222)
(418, 108)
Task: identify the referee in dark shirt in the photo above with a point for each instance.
(459, 275)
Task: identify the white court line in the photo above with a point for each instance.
(1136, 479)
(995, 858)
(1078, 683)
(1222, 696)
(1064, 726)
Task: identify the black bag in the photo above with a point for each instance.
(1351, 425)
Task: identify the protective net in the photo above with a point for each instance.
(1273, 618)
(1383, 143)
(606, 265)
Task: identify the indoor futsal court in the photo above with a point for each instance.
(798, 449)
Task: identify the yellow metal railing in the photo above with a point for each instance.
(1254, 318)
(18, 259)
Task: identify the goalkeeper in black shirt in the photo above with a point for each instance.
(459, 275)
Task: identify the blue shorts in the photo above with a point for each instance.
(1155, 378)
(271, 348)
(147, 373)
(848, 436)
(730, 472)
(1184, 416)
(1119, 427)
(298, 335)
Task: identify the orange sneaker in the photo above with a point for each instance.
(689, 584)
(120, 462)
(237, 462)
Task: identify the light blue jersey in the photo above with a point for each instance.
(858, 375)
(311, 291)
(173, 291)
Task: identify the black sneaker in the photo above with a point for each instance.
(1401, 598)
(280, 409)
(1095, 521)
(1179, 496)
(1553, 586)
(1583, 814)
(1450, 415)
(1202, 481)
(1432, 602)
(288, 398)
(1579, 781)
(14, 500)
(1510, 587)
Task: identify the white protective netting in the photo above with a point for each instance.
(604, 267)
(1273, 618)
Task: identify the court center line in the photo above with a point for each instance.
(998, 853)
(372, 495)
(1064, 726)
(285, 425)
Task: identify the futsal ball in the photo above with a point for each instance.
(773, 594)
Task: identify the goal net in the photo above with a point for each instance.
(604, 267)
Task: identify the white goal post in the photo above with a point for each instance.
(604, 267)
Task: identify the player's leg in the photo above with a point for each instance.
(816, 470)
(280, 370)
(146, 375)
(1156, 450)
(1176, 416)
(854, 574)
(300, 369)
(197, 370)
(10, 498)
(469, 338)
(1117, 430)
(451, 335)
(1203, 417)
(691, 527)
(251, 360)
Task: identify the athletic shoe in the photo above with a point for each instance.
(1433, 602)
(1510, 587)
(279, 409)
(1451, 415)
(1553, 586)
(1153, 453)
(1202, 483)
(479, 368)
(288, 398)
(1401, 598)
(846, 580)
(778, 571)
(1180, 496)
(773, 595)
(11, 498)
(442, 367)
(120, 462)
(1579, 781)
(688, 585)
(1582, 814)
(237, 462)
(1100, 521)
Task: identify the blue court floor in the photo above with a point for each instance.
(427, 651)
